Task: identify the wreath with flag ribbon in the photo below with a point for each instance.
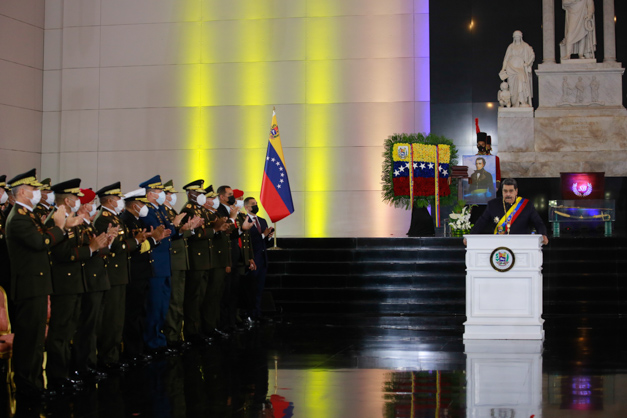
(414, 159)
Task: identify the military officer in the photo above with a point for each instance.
(68, 284)
(44, 207)
(109, 333)
(180, 265)
(214, 314)
(96, 284)
(140, 273)
(199, 251)
(29, 243)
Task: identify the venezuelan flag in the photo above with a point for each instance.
(276, 196)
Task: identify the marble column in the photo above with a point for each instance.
(609, 33)
(548, 31)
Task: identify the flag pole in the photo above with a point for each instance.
(274, 247)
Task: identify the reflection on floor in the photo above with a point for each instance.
(298, 368)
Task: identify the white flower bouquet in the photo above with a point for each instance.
(459, 220)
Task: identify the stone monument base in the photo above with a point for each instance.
(580, 124)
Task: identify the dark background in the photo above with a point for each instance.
(465, 62)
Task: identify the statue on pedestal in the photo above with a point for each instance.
(516, 70)
(579, 30)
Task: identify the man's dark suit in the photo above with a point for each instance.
(527, 218)
(260, 245)
(228, 309)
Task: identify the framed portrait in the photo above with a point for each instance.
(481, 187)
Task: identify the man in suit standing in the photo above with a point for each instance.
(260, 237)
(28, 244)
(510, 215)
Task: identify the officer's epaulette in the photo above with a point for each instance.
(188, 206)
(21, 211)
(106, 213)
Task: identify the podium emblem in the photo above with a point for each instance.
(502, 259)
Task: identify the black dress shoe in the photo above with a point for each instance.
(199, 340)
(90, 375)
(114, 368)
(65, 387)
(179, 345)
(220, 334)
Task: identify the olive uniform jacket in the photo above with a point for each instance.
(95, 269)
(179, 257)
(247, 247)
(118, 265)
(200, 244)
(41, 211)
(29, 243)
(68, 259)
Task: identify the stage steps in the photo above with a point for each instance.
(397, 282)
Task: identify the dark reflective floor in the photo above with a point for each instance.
(307, 368)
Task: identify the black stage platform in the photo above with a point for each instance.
(373, 328)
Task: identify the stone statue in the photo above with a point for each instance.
(505, 97)
(579, 30)
(580, 87)
(594, 89)
(516, 70)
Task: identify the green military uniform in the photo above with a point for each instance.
(221, 259)
(199, 257)
(109, 334)
(68, 284)
(96, 284)
(180, 264)
(5, 269)
(29, 243)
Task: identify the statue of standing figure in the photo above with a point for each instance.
(580, 29)
(516, 70)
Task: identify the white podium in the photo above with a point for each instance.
(504, 287)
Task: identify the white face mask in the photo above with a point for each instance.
(201, 199)
(239, 204)
(36, 197)
(161, 198)
(93, 210)
(76, 207)
(216, 203)
(4, 198)
(143, 212)
(119, 206)
(172, 199)
(50, 198)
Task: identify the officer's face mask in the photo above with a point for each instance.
(93, 210)
(161, 198)
(172, 199)
(201, 199)
(143, 212)
(36, 197)
(216, 203)
(77, 204)
(119, 206)
(50, 198)
(4, 197)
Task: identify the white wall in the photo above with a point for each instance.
(21, 65)
(185, 88)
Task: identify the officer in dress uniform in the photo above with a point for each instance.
(140, 273)
(180, 265)
(199, 251)
(247, 265)
(29, 242)
(213, 312)
(158, 299)
(96, 284)
(44, 207)
(109, 333)
(68, 284)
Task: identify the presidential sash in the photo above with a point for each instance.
(511, 215)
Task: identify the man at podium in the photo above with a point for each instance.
(510, 215)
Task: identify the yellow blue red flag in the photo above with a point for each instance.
(276, 195)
